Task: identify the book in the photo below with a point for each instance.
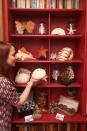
(35, 4)
(53, 3)
(57, 4)
(76, 4)
(18, 3)
(69, 4)
(14, 3)
(68, 127)
(47, 3)
(73, 4)
(60, 5)
(41, 3)
(22, 3)
(65, 4)
(59, 127)
(38, 3)
(27, 3)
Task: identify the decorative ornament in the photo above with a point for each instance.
(39, 74)
(58, 31)
(27, 108)
(23, 76)
(52, 107)
(37, 114)
(53, 56)
(65, 54)
(55, 75)
(20, 27)
(71, 92)
(30, 27)
(67, 77)
(71, 31)
(41, 29)
(41, 100)
(71, 73)
(42, 53)
(23, 54)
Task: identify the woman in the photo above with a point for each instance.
(8, 95)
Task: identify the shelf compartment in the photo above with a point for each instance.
(52, 85)
(48, 118)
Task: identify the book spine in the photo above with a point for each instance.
(35, 4)
(69, 4)
(76, 4)
(32, 1)
(21, 3)
(18, 3)
(57, 4)
(53, 3)
(61, 4)
(44, 3)
(65, 4)
(41, 4)
(27, 3)
(38, 3)
(73, 4)
(13, 3)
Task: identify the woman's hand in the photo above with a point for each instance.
(33, 81)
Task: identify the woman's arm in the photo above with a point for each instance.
(23, 97)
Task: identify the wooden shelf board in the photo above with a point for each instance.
(52, 11)
(48, 61)
(46, 9)
(52, 85)
(48, 118)
(46, 36)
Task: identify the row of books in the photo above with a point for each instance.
(68, 4)
(48, 127)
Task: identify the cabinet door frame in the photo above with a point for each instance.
(1, 21)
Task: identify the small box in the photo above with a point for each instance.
(67, 106)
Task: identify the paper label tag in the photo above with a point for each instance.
(59, 116)
(28, 118)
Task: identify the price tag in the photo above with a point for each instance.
(28, 118)
(59, 116)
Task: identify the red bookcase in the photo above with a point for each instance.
(52, 18)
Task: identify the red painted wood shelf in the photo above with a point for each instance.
(48, 118)
(52, 85)
(52, 18)
(47, 36)
(48, 61)
(68, 11)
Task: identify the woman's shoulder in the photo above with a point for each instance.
(4, 79)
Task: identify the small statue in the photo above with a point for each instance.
(67, 77)
(53, 56)
(71, 30)
(55, 75)
(41, 29)
(30, 25)
(20, 27)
